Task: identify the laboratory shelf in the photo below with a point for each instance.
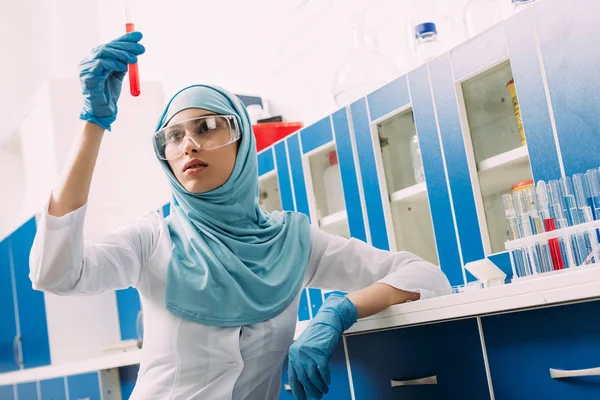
(504, 170)
(554, 288)
(336, 224)
(109, 361)
(410, 194)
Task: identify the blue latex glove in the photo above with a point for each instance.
(101, 75)
(308, 361)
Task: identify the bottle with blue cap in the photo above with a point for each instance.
(428, 45)
(519, 5)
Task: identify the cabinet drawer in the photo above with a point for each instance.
(53, 389)
(523, 346)
(84, 386)
(449, 353)
(27, 391)
(7, 392)
(340, 385)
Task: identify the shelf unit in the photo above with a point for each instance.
(336, 224)
(408, 203)
(498, 154)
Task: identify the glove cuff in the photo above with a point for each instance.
(104, 122)
(342, 306)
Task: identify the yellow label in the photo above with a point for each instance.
(517, 110)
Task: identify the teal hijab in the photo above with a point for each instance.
(231, 263)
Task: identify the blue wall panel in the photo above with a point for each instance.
(316, 300)
(7, 392)
(8, 329)
(532, 97)
(128, 378)
(266, 163)
(478, 53)
(128, 304)
(53, 389)
(166, 210)
(389, 98)
(298, 175)
(303, 313)
(316, 135)
(283, 177)
(32, 309)
(84, 386)
(435, 176)
(502, 261)
(457, 165)
(348, 172)
(27, 391)
(368, 173)
(567, 32)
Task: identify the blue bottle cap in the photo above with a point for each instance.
(426, 27)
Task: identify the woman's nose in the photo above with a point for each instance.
(190, 145)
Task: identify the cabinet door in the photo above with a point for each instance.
(84, 386)
(53, 389)
(27, 391)
(8, 332)
(128, 304)
(31, 306)
(522, 347)
(7, 392)
(127, 378)
(340, 385)
(414, 358)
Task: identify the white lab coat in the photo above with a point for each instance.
(185, 360)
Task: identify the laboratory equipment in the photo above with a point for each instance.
(519, 5)
(363, 71)
(134, 77)
(480, 15)
(486, 272)
(332, 182)
(517, 110)
(549, 225)
(593, 182)
(417, 163)
(428, 44)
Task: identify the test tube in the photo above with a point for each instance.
(134, 77)
(517, 257)
(549, 225)
(593, 180)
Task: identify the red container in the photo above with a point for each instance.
(270, 132)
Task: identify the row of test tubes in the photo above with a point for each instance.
(546, 207)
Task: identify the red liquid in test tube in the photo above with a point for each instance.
(134, 77)
(557, 260)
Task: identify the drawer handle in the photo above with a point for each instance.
(560, 373)
(430, 380)
(287, 387)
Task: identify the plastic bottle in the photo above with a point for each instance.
(417, 163)
(519, 5)
(480, 15)
(332, 181)
(428, 45)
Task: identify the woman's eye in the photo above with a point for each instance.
(174, 135)
(209, 124)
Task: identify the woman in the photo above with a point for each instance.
(219, 280)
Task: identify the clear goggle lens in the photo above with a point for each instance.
(207, 133)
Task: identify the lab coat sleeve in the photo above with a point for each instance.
(347, 265)
(62, 262)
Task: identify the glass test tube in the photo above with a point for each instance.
(518, 260)
(134, 76)
(549, 225)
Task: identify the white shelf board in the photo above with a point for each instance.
(268, 175)
(336, 224)
(571, 285)
(497, 174)
(109, 361)
(410, 194)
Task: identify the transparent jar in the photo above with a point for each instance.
(519, 5)
(332, 181)
(363, 71)
(479, 15)
(428, 45)
(417, 162)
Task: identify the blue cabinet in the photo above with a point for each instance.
(523, 346)
(27, 391)
(128, 304)
(403, 355)
(8, 332)
(84, 386)
(53, 389)
(7, 392)
(340, 384)
(127, 379)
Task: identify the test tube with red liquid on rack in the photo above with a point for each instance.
(134, 76)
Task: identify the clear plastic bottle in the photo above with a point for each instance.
(332, 181)
(428, 45)
(519, 5)
(480, 15)
(365, 70)
(417, 162)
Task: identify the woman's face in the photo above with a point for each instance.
(216, 165)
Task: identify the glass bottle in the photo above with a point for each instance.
(363, 71)
(428, 45)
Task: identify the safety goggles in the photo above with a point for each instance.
(208, 132)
